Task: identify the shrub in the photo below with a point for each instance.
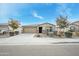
(68, 34)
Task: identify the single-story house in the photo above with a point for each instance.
(75, 27)
(39, 28)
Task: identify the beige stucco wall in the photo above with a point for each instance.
(76, 34)
(45, 26)
(35, 29)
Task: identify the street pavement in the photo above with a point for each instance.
(28, 45)
(39, 50)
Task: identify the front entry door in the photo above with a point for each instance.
(40, 29)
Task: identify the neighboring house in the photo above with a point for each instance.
(75, 26)
(39, 28)
(4, 28)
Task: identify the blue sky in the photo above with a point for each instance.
(33, 13)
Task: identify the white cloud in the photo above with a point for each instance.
(36, 15)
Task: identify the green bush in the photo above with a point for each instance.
(16, 32)
(11, 33)
(68, 34)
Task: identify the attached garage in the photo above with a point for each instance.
(29, 29)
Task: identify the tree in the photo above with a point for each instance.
(62, 22)
(13, 24)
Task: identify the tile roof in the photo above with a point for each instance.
(37, 24)
(75, 23)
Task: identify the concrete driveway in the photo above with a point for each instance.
(29, 39)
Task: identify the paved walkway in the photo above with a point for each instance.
(29, 39)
